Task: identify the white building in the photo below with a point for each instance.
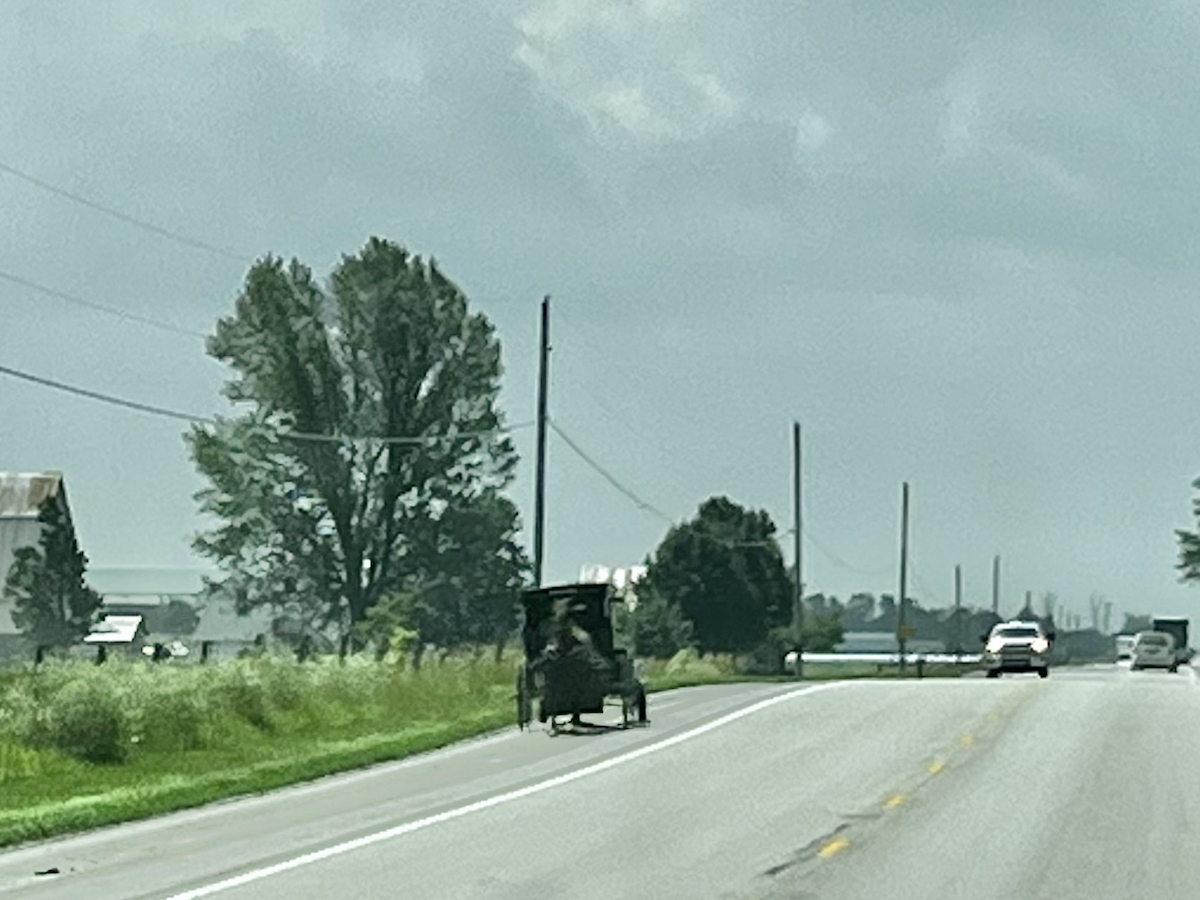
(623, 579)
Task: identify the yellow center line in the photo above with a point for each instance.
(936, 766)
(967, 740)
(833, 846)
(895, 800)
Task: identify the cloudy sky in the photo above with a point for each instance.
(956, 242)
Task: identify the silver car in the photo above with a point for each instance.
(1154, 650)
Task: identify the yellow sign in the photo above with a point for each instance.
(906, 632)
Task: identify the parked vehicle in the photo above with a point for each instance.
(1125, 647)
(1154, 650)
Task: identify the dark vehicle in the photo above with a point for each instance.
(1177, 628)
(571, 666)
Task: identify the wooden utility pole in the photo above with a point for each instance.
(901, 624)
(798, 529)
(957, 610)
(995, 585)
(539, 500)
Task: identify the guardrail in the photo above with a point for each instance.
(886, 658)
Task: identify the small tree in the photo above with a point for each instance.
(654, 627)
(1189, 545)
(725, 572)
(51, 604)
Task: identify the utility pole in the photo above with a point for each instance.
(1029, 601)
(798, 529)
(957, 611)
(901, 625)
(539, 501)
(995, 585)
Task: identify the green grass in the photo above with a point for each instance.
(83, 746)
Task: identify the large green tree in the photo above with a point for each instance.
(52, 605)
(367, 420)
(724, 570)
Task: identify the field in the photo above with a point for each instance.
(84, 745)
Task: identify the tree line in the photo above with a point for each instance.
(358, 488)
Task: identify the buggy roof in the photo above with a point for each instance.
(591, 595)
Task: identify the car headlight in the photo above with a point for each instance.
(994, 646)
(1040, 646)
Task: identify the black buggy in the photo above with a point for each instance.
(570, 666)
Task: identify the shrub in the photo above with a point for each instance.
(174, 713)
(17, 761)
(239, 687)
(89, 720)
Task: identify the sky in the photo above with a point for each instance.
(955, 241)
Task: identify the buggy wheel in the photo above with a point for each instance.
(524, 699)
(641, 704)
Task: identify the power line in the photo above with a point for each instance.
(838, 561)
(105, 398)
(125, 217)
(196, 244)
(599, 469)
(205, 420)
(98, 307)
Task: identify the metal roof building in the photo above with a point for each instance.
(21, 496)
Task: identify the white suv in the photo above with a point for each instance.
(1154, 650)
(1017, 647)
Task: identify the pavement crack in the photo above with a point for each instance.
(808, 852)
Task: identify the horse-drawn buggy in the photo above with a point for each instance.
(571, 666)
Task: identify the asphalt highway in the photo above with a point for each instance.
(1083, 785)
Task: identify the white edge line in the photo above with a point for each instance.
(409, 827)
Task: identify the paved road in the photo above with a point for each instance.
(1079, 786)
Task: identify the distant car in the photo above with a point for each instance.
(1017, 647)
(1154, 650)
(1125, 644)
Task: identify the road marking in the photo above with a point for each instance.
(834, 846)
(967, 740)
(480, 805)
(936, 766)
(895, 800)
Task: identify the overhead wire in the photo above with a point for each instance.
(206, 420)
(195, 244)
(105, 398)
(608, 476)
(99, 307)
(123, 216)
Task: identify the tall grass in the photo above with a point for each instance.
(81, 745)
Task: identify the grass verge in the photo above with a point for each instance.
(84, 746)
